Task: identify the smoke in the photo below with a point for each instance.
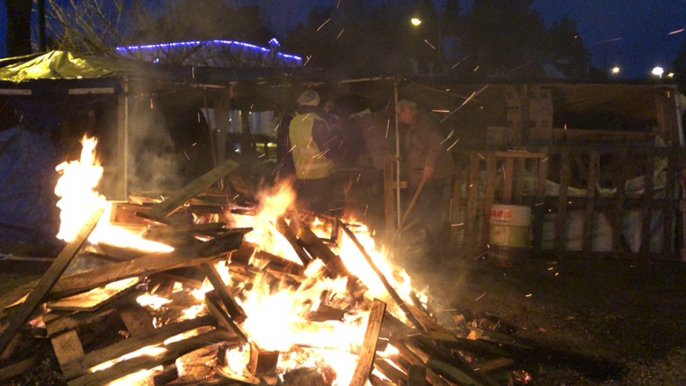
(153, 160)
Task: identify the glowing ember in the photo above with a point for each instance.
(78, 199)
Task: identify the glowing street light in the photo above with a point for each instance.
(615, 70)
(416, 21)
(658, 71)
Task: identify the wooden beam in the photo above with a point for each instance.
(368, 351)
(142, 266)
(81, 365)
(174, 350)
(647, 210)
(591, 188)
(164, 208)
(561, 215)
(223, 319)
(47, 282)
(235, 311)
(293, 240)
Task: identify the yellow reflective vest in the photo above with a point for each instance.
(310, 161)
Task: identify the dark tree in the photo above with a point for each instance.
(567, 52)
(18, 38)
(505, 37)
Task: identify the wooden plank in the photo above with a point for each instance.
(18, 368)
(47, 282)
(618, 203)
(417, 376)
(164, 208)
(508, 171)
(80, 367)
(647, 211)
(262, 362)
(67, 347)
(539, 205)
(561, 216)
(391, 291)
(471, 242)
(456, 227)
(316, 247)
(390, 371)
(174, 350)
(518, 154)
(147, 265)
(137, 320)
(95, 298)
(519, 169)
(474, 346)
(368, 350)
(235, 311)
(589, 211)
(223, 319)
(293, 240)
(488, 199)
(669, 207)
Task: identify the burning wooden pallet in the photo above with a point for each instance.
(205, 332)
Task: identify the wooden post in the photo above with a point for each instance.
(646, 223)
(539, 206)
(508, 172)
(618, 214)
(669, 208)
(488, 199)
(593, 170)
(48, 281)
(561, 215)
(122, 143)
(470, 240)
(368, 351)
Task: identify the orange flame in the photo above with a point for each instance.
(79, 198)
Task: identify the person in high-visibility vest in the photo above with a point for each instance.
(312, 145)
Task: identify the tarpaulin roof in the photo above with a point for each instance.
(63, 65)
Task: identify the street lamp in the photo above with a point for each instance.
(658, 71)
(615, 70)
(416, 21)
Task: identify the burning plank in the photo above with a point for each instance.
(391, 291)
(48, 281)
(262, 362)
(164, 208)
(366, 360)
(171, 352)
(80, 367)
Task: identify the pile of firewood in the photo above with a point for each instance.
(96, 317)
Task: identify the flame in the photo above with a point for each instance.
(273, 205)
(152, 301)
(79, 198)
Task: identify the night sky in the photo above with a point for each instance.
(634, 34)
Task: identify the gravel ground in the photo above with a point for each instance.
(591, 322)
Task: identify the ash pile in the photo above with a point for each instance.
(258, 294)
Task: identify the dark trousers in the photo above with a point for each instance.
(314, 194)
(433, 206)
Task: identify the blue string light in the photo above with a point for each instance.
(210, 42)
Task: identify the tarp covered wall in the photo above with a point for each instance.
(27, 180)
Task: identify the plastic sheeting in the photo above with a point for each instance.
(27, 179)
(61, 65)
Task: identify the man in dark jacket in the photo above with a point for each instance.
(312, 144)
(429, 168)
